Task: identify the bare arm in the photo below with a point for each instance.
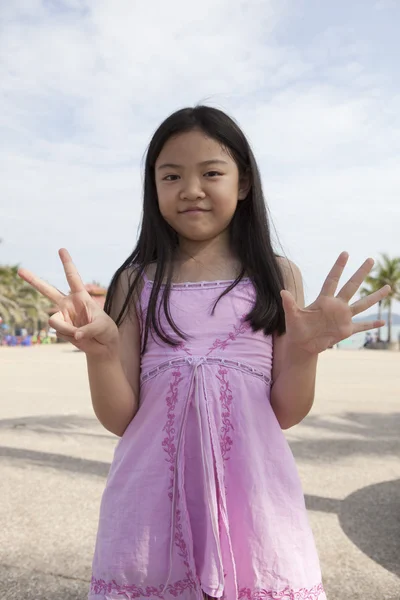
(114, 378)
(293, 371)
(113, 356)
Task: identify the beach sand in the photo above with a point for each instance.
(54, 457)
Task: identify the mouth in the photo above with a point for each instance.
(195, 209)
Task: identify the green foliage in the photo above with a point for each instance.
(20, 304)
(385, 272)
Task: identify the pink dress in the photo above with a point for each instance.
(203, 492)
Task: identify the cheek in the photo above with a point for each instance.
(226, 200)
(167, 208)
(164, 199)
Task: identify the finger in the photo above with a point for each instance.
(74, 279)
(351, 287)
(65, 338)
(332, 281)
(41, 286)
(68, 338)
(62, 326)
(90, 331)
(367, 326)
(368, 301)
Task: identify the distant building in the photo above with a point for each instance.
(97, 292)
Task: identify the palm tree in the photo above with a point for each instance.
(372, 284)
(386, 271)
(34, 306)
(20, 304)
(10, 310)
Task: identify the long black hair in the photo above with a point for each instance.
(249, 231)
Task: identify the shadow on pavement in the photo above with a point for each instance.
(76, 425)
(370, 517)
(61, 462)
(368, 434)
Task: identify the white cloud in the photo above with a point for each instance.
(383, 4)
(85, 84)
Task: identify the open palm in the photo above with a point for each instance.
(79, 319)
(328, 320)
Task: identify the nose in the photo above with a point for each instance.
(192, 190)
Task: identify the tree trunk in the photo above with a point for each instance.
(379, 318)
(389, 324)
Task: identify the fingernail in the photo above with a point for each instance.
(79, 335)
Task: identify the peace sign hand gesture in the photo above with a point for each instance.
(79, 319)
(328, 320)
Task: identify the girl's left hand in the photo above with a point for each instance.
(328, 320)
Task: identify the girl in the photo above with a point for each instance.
(204, 354)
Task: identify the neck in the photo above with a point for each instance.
(209, 259)
(208, 250)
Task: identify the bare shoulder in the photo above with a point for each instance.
(290, 270)
(293, 282)
(129, 328)
(292, 278)
(124, 283)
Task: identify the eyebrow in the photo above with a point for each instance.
(214, 161)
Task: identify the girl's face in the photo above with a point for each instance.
(198, 186)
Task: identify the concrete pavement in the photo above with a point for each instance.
(54, 457)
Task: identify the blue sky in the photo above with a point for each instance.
(315, 85)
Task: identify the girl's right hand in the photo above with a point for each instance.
(80, 320)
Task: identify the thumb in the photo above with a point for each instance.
(288, 302)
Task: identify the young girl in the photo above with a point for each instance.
(204, 354)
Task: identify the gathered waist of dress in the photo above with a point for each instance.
(204, 360)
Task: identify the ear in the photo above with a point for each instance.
(244, 186)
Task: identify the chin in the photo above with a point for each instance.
(194, 234)
(198, 236)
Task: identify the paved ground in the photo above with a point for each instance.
(54, 458)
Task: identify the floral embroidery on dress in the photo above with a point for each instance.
(237, 330)
(314, 593)
(182, 346)
(130, 592)
(226, 397)
(168, 442)
(169, 446)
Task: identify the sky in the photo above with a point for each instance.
(83, 85)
